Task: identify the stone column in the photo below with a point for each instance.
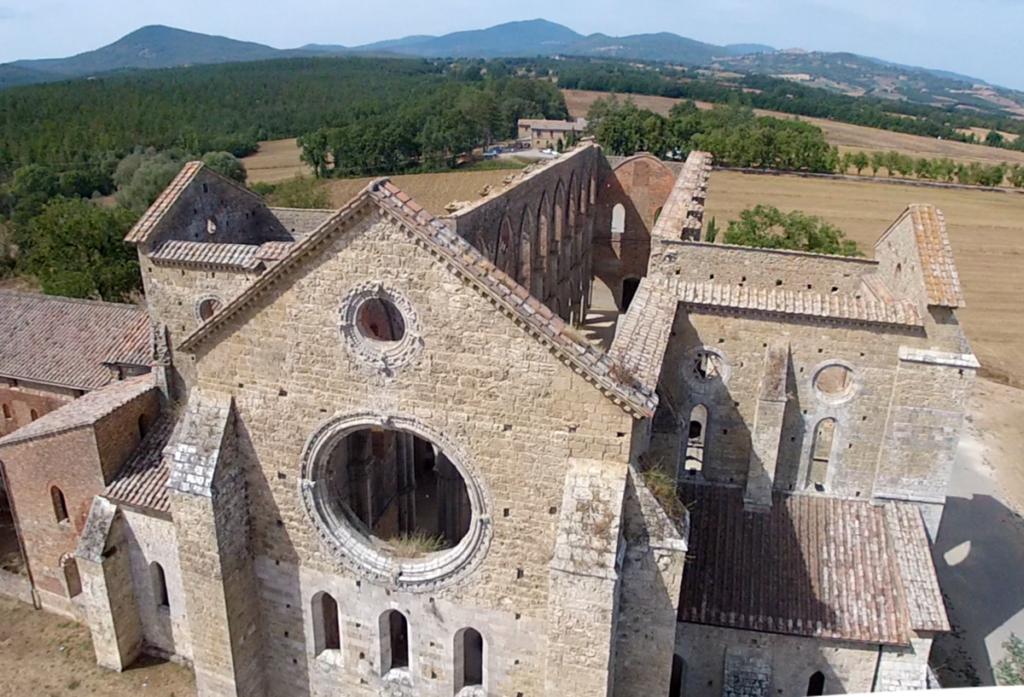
(767, 431)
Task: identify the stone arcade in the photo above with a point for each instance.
(380, 453)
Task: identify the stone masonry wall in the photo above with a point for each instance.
(152, 540)
(765, 268)
(847, 667)
(516, 412)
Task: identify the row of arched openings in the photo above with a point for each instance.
(393, 628)
(8, 414)
(821, 447)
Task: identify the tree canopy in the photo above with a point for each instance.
(769, 228)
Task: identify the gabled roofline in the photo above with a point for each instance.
(142, 231)
(514, 300)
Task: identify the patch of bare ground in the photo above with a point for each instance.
(986, 231)
(846, 136)
(275, 161)
(45, 655)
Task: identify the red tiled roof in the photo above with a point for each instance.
(142, 481)
(941, 280)
(536, 317)
(65, 342)
(812, 566)
(84, 411)
(912, 552)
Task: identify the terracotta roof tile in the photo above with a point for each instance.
(910, 546)
(62, 341)
(142, 480)
(84, 411)
(941, 280)
(811, 566)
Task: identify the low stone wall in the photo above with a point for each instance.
(16, 586)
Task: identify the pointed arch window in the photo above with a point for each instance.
(821, 455)
(816, 685)
(618, 219)
(60, 506)
(696, 436)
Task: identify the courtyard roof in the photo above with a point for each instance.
(811, 566)
(66, 342)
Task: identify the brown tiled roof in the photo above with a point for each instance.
(142, 481)
(84, 411)
(148, 221)
(941, 280)
(65, 342)
(839, 306)
(811, 566)
(503, 291)
(642, 335)
(909, 542)
(225, 256)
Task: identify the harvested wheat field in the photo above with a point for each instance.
(44, 655)
(846, 136)
(275, 161)
(432, 191)
(986, 231)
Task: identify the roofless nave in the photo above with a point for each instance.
(369, 451)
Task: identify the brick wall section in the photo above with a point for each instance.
(25, 398)
(289, 369)
(641, 184)
(507, 228)
(118, 434)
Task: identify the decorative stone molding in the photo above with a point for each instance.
(718, 369)
(382, 356)
(362, 554)
(197, 308)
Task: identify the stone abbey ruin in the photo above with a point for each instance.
(369, 451)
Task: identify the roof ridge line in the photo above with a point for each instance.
(65, 299)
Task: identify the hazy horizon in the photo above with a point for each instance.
(935, 34)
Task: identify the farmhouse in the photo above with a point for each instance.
(374, 452)
(544, 133)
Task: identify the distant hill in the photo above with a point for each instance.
(164, 47)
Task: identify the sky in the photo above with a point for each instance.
(981, 38)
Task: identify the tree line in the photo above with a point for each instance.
(736, 137)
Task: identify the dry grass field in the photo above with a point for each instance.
(275, 161)
(986, 231)
(432, 191)
(846, 136)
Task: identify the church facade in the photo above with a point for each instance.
(382, 453)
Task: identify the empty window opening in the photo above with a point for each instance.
(72, 580)
(33, 414)
(618, 219)
(60, 507)
(11, 558)
(629, 289)
(469, 659)
(208, 308)
(160, 596)
(657, 214)
(696, 433)
(325, 622)
(834, 381)
(7, 412)
(898, 274)
(394, 641)
(400, 489)
(678, 679)
(707, 366)
(378, 319)
(143, 425)
(821, 454)
(816, 685)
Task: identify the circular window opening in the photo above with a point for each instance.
(208, 307)
(834, 381)
(379, 320)
(707, 366)
(399, 490)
